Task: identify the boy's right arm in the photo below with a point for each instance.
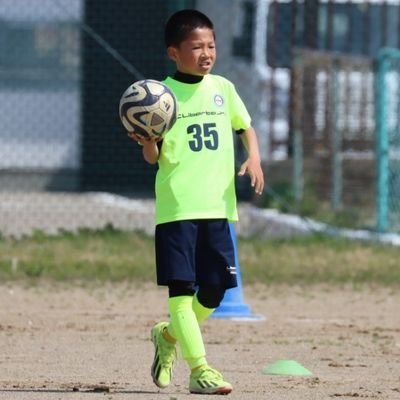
(150, 149)
(252, 166)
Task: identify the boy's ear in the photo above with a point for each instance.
(171, 51)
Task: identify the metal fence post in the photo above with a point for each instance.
(298, 156)
(382, 145)
(337, 169)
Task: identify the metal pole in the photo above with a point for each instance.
(337, 170)
(382, 145)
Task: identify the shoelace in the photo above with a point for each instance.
(210, 372)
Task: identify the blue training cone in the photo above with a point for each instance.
(232, 305)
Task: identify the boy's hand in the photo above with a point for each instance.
(150, 149)
(136, 137)
(142, 140)
(254, 170)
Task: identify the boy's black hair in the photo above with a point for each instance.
(180, 24)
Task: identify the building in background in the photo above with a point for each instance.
(60, 79)
(40, 60)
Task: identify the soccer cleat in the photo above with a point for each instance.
(207, 380)
(164, 357)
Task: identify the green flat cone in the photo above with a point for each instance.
(286, 367)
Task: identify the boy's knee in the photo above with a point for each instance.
(210, 297)
(181, 288)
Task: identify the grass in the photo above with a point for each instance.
(319, 259)
(105, 255)
(110, 255)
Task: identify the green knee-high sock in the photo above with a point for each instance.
(185, 328)
(202, 313)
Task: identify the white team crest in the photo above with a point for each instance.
(218, 100)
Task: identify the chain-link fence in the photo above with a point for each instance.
(333, 120)
(305, 69)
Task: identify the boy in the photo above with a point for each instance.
(195, 198)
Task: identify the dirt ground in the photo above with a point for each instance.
(59, 342)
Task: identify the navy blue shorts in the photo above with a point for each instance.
(199, 251)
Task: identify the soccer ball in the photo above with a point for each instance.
(148, 107)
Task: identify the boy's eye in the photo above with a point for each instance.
(201, 47)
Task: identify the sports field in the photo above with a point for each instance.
(63, 342)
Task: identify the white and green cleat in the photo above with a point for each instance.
(207, 380)
(164, 357)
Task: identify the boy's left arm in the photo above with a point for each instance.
(252, 166)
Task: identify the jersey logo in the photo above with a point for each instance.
(218, 100)
(231, 270)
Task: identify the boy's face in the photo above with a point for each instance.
(196, 55)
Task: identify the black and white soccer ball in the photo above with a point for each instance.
(148, 107)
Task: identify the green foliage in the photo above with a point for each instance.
(320, 259)
(103, 255)
(109, 255)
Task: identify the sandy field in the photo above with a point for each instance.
(59, 342)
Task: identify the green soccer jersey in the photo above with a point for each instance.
(196, 175)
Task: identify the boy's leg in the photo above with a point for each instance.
(201, 312)
(164, 337)
(185, 327)
(175, 244)
(215, 273)
(206, 300)
(177, 247)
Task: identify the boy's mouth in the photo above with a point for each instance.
(205, 64)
